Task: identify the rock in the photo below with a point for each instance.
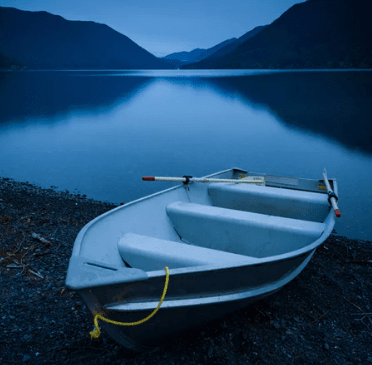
(211, 349)
(26, 358)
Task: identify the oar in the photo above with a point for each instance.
(258, 180)
(332, 197)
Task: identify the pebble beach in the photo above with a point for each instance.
(324, 316)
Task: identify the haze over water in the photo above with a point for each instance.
(98, 132)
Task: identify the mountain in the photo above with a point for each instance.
(196, 55)
(234, 45)
(40, 40)
(313, 34)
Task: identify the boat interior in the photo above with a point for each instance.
(223, 223)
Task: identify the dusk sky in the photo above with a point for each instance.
(167, 26)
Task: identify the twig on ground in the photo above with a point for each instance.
(36, 274)
(317, 319)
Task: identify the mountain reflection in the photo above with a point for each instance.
(337, 105)
(36, 95)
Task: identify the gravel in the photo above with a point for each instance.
(324, 316)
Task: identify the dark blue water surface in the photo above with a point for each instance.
(98, 132)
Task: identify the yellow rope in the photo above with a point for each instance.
(96, 332)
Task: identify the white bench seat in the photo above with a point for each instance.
(287, 203)
(243, 233)
(149, 253)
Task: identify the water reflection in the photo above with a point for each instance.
(99, 132)
(45, 97)
(336, 105)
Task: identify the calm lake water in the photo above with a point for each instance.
(98, 132)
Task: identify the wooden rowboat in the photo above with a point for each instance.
(227, 244)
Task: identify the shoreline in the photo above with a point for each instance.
(322, 317)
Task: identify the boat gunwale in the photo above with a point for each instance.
(210, 298)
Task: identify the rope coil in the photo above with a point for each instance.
(97, 332)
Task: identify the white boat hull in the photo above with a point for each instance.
(223, 248)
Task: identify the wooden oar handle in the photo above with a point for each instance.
(335, 207)
(163, 178)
